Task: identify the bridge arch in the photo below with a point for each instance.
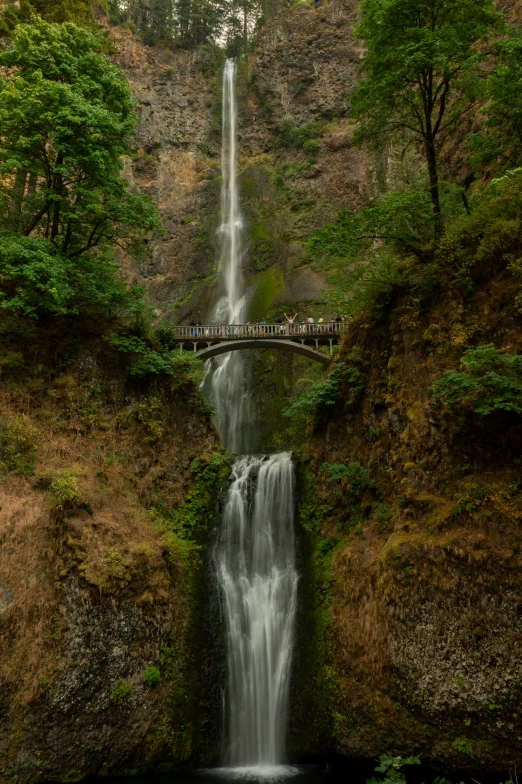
(282, 345)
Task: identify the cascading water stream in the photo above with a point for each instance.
(255, 551)
(255, 559)
(226, 378)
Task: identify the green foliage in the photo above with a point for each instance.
(36, 278)
(383, 514)
(302, 137)
(121, 692)
(18, 442)
(366, 255)
(319, 396)
(500, 138)
(155, 357)
(421, 67)
(64, 488)
(149, 411)
(78, 11)
(490, 239)
(353, 480)
(152, 677)
(401, 218)
(65, 116)
(183, 365)
(490, 381)
(372, 253)
(465, 745)
(393, 768)
(197, 512)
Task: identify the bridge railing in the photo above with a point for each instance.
(235, 331)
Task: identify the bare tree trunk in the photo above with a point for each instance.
(58, 188)
(17, 197)
(31, 186)
(431, 160)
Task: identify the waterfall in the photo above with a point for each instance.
(255, 561)
(255, 553)
(226, 380)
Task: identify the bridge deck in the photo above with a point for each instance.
(219, 332)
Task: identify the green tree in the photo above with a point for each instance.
(65, 116)
(501, 138)
(422, 57)
(78, 11)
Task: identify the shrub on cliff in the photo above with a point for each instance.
(65, 116)
(18, 442)
(489, 381)
(489, 240)
(352, 480)
(315, 399)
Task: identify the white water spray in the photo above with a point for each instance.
(258, 579)
(227, 384)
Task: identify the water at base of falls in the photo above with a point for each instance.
(256, 772)
(255, 565)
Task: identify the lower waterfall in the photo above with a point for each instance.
(255, 563)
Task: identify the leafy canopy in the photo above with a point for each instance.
(421, 65)
(500, 138)
(489, 381)
(78, 11)
(65, 117)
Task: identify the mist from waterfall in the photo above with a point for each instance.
(255, 561)
(226, 383)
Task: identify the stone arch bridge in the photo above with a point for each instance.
(208, 341)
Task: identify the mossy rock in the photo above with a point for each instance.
(268, 285)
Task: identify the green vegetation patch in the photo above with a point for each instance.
(268, 286)
(18, 443)
(64, 488)
(121, 691)
(196, 515)
(152, 677)
(63, 202)
(489, 381)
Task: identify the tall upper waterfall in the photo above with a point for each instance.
(226, 379)
(256, 569)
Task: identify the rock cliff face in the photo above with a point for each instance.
(426, 574)
(101, 602)
(302, 70)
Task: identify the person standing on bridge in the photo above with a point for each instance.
(291, 320)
